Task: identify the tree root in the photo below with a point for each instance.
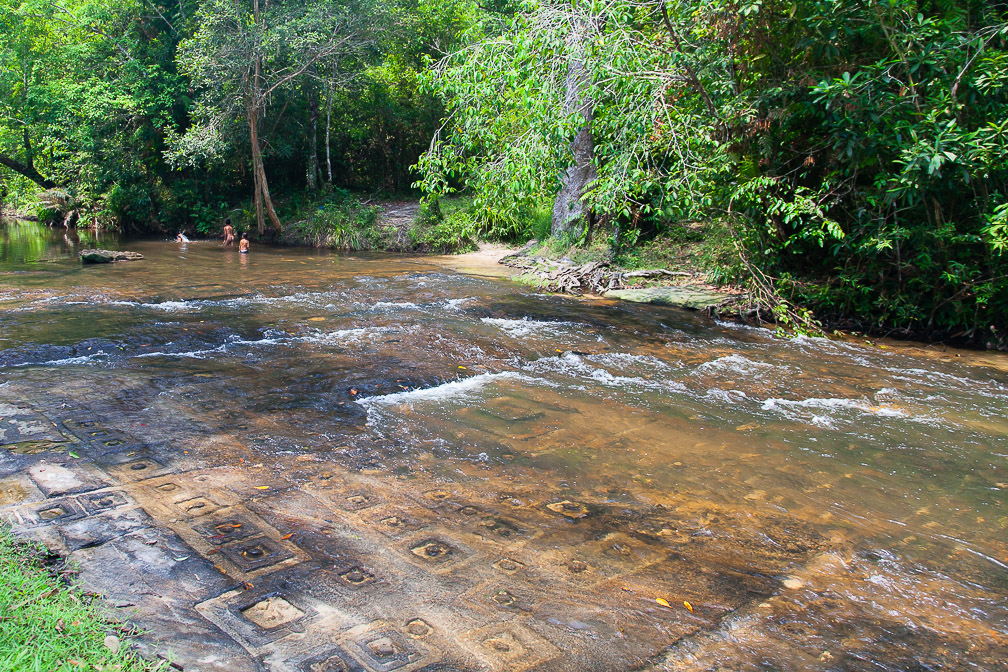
(595, 277)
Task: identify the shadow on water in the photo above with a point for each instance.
(324, 461)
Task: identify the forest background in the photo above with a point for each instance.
(844, 159)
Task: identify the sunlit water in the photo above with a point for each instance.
(819, 504)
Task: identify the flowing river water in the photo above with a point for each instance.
(303, 460)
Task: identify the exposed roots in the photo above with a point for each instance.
(596, 277)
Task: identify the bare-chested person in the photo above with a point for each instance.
(228, 233)
(243, 244)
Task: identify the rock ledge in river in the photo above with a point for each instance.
(696, 297)
(107, 256)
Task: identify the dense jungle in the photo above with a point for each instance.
(845, 161)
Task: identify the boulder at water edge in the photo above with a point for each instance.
(107, 256)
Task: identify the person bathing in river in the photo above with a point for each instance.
(243, 244)
(228, 233)
(181, 238)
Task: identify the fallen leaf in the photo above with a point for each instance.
(316, 319)
(73, 454)
(288, 535)
(237, 525)
(629, 590)
(259, 487)
(181, 558)
(663, 602)
(353, 390)
(688, 606)
(112, 643)
(247, 586)
(71, 661)
(463, 368)
(60, 626)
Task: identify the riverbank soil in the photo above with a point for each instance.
(296, 460)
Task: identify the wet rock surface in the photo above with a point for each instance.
(233, 565)
(107, 256)
(386, 467)
(694, 297)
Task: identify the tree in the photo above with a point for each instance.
(242, 54)
(854, 150)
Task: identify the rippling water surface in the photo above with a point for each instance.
(539, 482)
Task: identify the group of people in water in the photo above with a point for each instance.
(228, 235)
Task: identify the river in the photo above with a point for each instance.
(305, 460)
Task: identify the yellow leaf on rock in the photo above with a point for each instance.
(688, 606)
(663, 602)
(262, 487)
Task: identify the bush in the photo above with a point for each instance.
(451, 234)
(341, 222)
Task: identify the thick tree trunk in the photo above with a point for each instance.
(569, 211)
(313, 167)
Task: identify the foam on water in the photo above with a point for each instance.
(340, 336)
(456, 304)
(734, 364)
(525, 327)
(273, 337)
(186, 354)
(393, 306)
(581, 369)
(91, 359)
(455, 390)
(824, 411)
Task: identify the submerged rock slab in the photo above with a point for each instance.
(694, 297)
(107, 256)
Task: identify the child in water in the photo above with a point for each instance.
(243, 244)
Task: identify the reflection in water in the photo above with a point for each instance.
(422, 466)
(25, 242)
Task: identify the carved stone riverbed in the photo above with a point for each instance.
(305, 461)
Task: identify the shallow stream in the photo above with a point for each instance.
(303, 460)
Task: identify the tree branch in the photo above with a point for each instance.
(689, 69)
(27, 171)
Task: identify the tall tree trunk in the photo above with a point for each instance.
(569, 211)
(256, 158)
(256, 106)
(313, 114)
(328, 122)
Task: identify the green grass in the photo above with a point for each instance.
(47, 626)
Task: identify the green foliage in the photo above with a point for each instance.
(857, 149)
(138, 108)
(340, 222)
(453, 234)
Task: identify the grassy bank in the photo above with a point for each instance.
(47, 625)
